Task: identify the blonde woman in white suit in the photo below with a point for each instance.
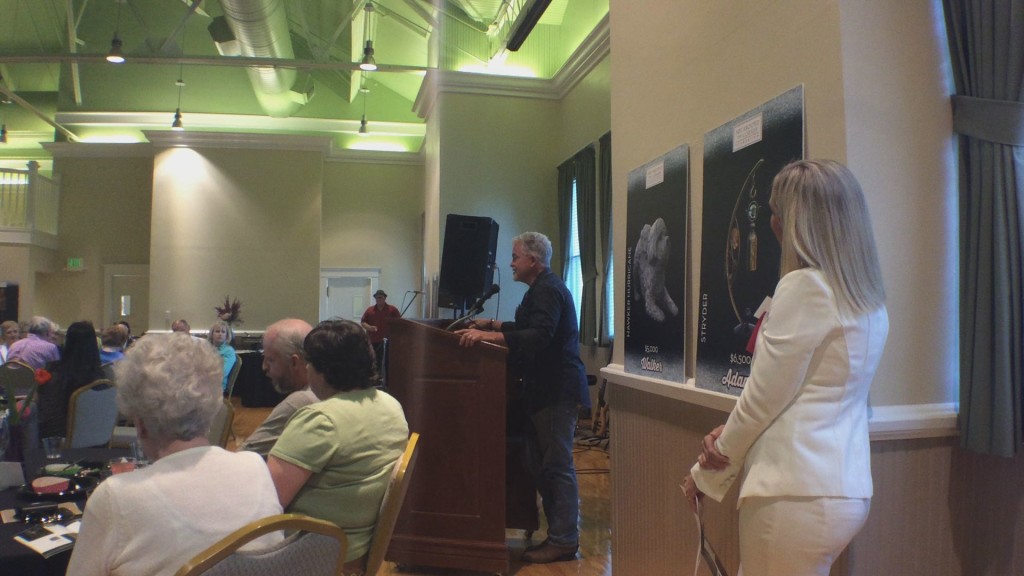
(800, 428)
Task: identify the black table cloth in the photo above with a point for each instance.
(18, 559)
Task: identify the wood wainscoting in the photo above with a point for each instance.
(937, 510)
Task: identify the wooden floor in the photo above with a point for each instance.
(594, 558)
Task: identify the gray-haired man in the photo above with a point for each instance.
(284, 363)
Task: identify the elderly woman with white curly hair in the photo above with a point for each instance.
(152, 520)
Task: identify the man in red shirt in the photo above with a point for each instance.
(375, 321)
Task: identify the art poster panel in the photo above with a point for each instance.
(739, 252)
(656, 232)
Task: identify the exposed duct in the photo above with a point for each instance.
(261, 29)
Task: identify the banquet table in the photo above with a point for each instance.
(17, 559)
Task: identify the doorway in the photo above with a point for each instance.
(126, 296)
(346, 292)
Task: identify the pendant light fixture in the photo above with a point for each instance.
(368, 64)
(178, 125)
(116, 56)
(3, 121)
(364, 130)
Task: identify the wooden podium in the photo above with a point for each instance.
(468, 485)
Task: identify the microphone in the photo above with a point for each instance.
(479, 306)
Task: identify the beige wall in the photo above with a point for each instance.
(372, 219)
(24, 265)
(704, 64)
(585, 112)
(431, 210)
(899, 136)
(876, 88)
(244, 223)
(497, 160)
(104, 219)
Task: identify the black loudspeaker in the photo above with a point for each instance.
(467, 260)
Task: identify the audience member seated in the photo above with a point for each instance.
(131, 337)
(9, 334)
(79, 365)
(220, 337)
(37, 348)
(181, 326)
(284, 363)
(152, 520)
(113, 339)
(334, 458)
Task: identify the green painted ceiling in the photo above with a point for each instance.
(51, 58)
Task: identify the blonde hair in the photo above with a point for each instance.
(826, 226)
(227, 329)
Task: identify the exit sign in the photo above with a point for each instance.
(76, 264)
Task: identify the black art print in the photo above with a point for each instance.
(656, 232)
(739, 252)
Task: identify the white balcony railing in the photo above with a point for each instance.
(28, 206)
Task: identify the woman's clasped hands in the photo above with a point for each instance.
(709, 459)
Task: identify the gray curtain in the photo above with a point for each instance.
(604, 228)
(986, 39)
(586, 217)
(582, 168)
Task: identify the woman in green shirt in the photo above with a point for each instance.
(334, 458)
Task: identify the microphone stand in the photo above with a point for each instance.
(415, 293)
(472, 312)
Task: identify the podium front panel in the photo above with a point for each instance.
(454, 512)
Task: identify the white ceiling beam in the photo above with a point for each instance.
(181, 24)
(38, 113)
(422, 12)
(76, 79)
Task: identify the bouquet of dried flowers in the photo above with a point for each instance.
(230, 312)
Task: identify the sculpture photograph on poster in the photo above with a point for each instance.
(739, 264)
(656, 230)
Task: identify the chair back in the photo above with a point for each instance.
(19, 375)
(316, 548)
(394, 496)
(220, 430)
(233, 374)
(92, 415)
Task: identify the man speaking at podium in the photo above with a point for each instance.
(543, 343)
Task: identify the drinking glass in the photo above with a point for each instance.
(53, 445)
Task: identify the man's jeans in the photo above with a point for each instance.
(548, 455)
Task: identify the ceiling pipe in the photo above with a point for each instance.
(261, 28)
(231, 62)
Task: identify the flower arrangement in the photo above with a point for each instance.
(21, 409)
(230, 312)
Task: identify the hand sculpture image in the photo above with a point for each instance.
(649, 261)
